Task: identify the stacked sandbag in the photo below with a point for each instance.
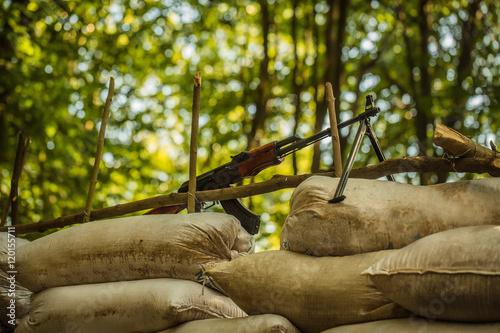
(134, 274)
(252, 324)
(14, 298)
(148, 305)
(6, 240)
(378, 215)
(416, 325)
(452, 275)
(132, 248)
(314, 293)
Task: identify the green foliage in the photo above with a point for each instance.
(57, 58)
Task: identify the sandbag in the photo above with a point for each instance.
(132, 248)
(125, 307)
(378, 215)
(267, 323)
(14, 298)
(416, 325)
(5, 240)
(452, 275)
(314, 293)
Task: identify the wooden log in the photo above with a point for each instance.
(278, 182)
(458, 145)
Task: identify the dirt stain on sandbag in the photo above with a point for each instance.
(486, 204)
(103, 313)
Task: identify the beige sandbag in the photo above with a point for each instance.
(267, 323)
(416, 325)
(14, 298)
(314, 293)
(452, 275)
(132, 248)
(125, 307)
(378, 215)
(7, 239)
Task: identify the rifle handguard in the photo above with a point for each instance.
(259, 159)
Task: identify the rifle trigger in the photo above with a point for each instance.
(204, 206)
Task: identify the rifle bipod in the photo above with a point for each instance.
(364, 128)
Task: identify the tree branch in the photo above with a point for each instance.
(278, 182)
(423, 164)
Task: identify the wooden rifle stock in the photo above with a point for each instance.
(165, 210)
(251, 163)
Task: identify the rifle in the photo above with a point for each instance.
(244, 165)
(248, 164)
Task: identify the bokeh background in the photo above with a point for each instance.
(264, 65)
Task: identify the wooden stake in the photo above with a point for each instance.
(15, 201)
(337, 154)
(12, 200)
(98, 154)
(193, 153)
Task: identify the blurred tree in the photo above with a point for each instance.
(264, 66)
(333, 69)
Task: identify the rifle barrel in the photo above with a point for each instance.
(301, 143)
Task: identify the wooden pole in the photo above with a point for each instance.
(193, 153)
(98, 154)
(12, 200)
(15, 201)
(337, 153)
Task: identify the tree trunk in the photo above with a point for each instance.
(464, 66)
(295, 84)
(417, 58)
(260, 114)
(333, 69)
(456, 117)
(425, 97)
